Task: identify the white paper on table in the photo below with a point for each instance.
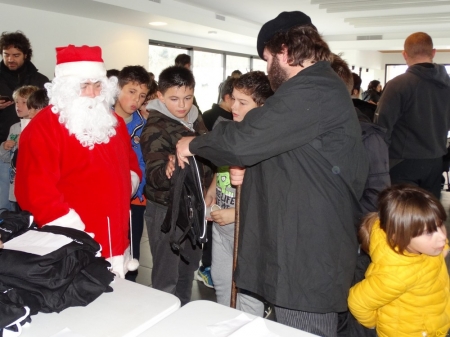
(67, 333)
(38, 243)
(241, 326)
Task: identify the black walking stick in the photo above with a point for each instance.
(235, 250)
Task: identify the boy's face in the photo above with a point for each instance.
(21, 107)
(242, 104)
(33, 112)
(130, 98)
(178, 100)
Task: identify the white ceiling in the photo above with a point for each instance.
(345, 24)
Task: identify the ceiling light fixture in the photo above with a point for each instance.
(157, 23)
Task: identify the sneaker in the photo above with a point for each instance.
(204, 275)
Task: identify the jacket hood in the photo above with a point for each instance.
(381, 253)
(192, 115)
(436, 74)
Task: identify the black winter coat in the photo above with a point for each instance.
(305, 172)
(10, 81)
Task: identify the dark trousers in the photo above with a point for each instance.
(424, 173)
(137, 226)
(207, 246)
(170, 273)
(324, 325)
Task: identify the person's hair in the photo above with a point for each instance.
(227, 87)
(341, 68)
(419, 44)
(373, 85)
(175, 76)
(405, 212)
(356, 82)
(153, 89)
(302, 43)
(236, 73)
(151, 75)
(112, 72)
(24, 92)
(256, 85)
(134, 74)
(38, 99)
(17, 40)
(182, 59)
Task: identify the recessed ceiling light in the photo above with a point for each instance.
(157, 23)
(212, 32)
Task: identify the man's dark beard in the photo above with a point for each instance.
(277, 75)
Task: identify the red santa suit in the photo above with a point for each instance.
(56, 173)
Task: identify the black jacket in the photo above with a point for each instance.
(415, 110)
(10, 81)
(305, 172)
(210, 116)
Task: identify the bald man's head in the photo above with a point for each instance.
(419, 46)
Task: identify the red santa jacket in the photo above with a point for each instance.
(56, 173)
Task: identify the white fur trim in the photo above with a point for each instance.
(134, 183)
(120, 263)
(82, 69)
(70, 220)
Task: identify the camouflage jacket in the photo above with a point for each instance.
(158, 140)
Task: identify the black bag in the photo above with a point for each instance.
(187, 206)
(14, 223)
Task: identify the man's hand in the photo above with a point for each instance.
(224, 216)
(5, 104)
(183, 151)
(237, 175)
(8, 144)
(170, 167)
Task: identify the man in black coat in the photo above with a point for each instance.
(16, 70)
(415, 110)
(305, 172)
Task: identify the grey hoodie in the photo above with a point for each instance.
(192, 115)
(415, 110)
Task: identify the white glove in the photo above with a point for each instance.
(134, 183)
(70, 220)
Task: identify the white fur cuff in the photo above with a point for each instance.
(134, 182)
(70, 220)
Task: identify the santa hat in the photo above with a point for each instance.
(84, 62)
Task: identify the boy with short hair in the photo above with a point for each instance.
(249, 91)
(9, 146)
(171, 117)
(134, 84)
(37, 101)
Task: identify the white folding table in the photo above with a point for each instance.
(192, 321)
(126, 312)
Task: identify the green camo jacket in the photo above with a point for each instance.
(158, 140)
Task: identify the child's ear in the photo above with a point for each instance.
(160, 96)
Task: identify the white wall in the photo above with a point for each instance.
(122, 45)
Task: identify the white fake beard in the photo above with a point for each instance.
(90, 120)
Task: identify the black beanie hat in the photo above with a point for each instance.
(283, 22)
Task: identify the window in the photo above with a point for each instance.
(260, 65)
(237, 63)
(160, 57)
(208, 73)
(393, 70)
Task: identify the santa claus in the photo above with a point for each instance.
(76, 162)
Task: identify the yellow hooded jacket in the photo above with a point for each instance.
(402, 295)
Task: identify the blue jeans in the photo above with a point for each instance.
(4, 185)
